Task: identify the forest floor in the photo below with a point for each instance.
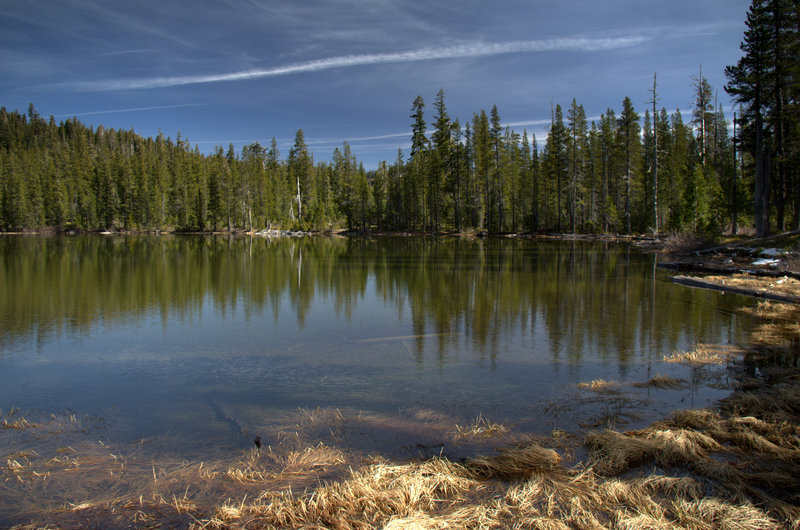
(735, 466)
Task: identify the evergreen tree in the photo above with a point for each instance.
(415, 172)
(577, 154)
(215, 198)
(440, 159)
(608, 133)
(678, 171)
(495, 191)
(703, 115)
(252, 180)
(278, 191)
(300, 167)
(346, 187)
(456, 184)
(482, 159)
(748, 83)
(556, 163)
(379, 195)
(629, 134)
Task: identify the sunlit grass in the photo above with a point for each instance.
(599, 385)
(701, 354)
(696, 468)
(480, 428)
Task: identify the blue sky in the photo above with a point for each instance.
(241, 71)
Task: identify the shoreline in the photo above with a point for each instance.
(345, 232)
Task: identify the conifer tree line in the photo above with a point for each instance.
(584, 177)
(627, 171)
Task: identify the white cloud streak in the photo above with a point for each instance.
(116, 111)
(335, 141)
(424, 54)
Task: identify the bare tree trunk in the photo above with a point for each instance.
(655, 157)
(299, 203)
(734, 224)
(796, 220)
(762, 190)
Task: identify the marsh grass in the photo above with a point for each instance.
(779, 330)
(663, 381)
(260, 465)
(531, 487)
(599, 385)
(480, 428)
(701, 354)
(697, 469)
(779, 323)
(19, 424)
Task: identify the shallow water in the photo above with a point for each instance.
(195, 338)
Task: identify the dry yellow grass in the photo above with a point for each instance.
(524, 486)
(260, 465)
(779, 329)
(701, 354)
(598, 385)
(480, 428)
(785, 285)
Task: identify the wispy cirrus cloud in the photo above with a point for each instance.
(135, 109)
(358, 139)
(574, 44)
(541, 122)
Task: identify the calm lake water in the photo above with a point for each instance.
(189, 337)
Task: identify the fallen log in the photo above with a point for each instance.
(707, 284)
(688, 266)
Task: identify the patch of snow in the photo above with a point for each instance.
(772, 252)
(765, 261)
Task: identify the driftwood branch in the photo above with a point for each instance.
(706, 284)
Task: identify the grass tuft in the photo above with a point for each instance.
(480, 428)
(598, 385)
(702, 354)
(663, 381)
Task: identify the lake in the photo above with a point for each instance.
(195, 338)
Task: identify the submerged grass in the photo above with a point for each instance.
(701, 354)
(480, 428)
(735, 468)
(598, 385)
(697, 469)
(663, 381)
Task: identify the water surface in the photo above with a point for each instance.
(191, 337)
